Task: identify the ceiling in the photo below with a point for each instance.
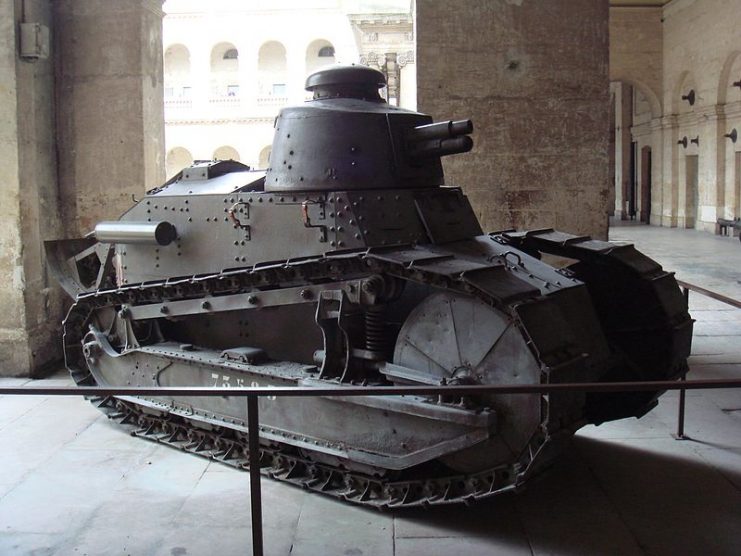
(642, 3)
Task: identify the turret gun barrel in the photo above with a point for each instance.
(441, 147)
(440, 139)
(440, 130)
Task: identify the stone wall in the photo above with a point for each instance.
(533, 76)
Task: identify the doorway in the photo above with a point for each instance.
(646, 185)
(633, 181)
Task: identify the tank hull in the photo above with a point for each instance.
(509, 317)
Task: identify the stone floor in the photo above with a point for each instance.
(72, 484)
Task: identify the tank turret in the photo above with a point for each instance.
(348, 137)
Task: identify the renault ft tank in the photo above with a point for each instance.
(348, 262)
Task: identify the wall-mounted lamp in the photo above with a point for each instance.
(733, 136)
(683, 142)
(696, 140)
(736, 84)
(690, 97)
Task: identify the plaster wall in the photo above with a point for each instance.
(533, 77)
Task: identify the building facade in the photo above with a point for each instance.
(230, 66)
(676, 89)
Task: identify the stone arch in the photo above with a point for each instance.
(263, 160)
(646, 91)
(730, 73)
(272, 56)
(224, 57)
(177, 158)
(226, 152)
(319, 53)
(177, 59)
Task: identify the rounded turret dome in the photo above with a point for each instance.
(346, 81)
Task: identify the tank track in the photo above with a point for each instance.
(231, 448)
(279, 461)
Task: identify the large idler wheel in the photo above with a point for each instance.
(457, 339)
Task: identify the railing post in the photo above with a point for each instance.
(253, 431)
(680, 417)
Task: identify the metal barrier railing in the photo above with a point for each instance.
(253, 395)
(686, 289)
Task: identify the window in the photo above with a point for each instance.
(326, 52)
(279, 89)
(169, 92)
(232, 90)
(231, 54)
(186, 92)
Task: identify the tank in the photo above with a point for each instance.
(349, 262)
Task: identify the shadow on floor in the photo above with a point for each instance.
(610, 497)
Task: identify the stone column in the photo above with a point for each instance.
(81, 132)
(533, 76)
(110, 94)
(712, 182)
(670, 174)
(296, 72)
(623, 146)
(200, 71)
(31, 306)
(657, 172)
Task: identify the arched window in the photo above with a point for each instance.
(177, 71)
(177, 159)
(272, 69)
(224, 70)
(318, 54)
(226, 152)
